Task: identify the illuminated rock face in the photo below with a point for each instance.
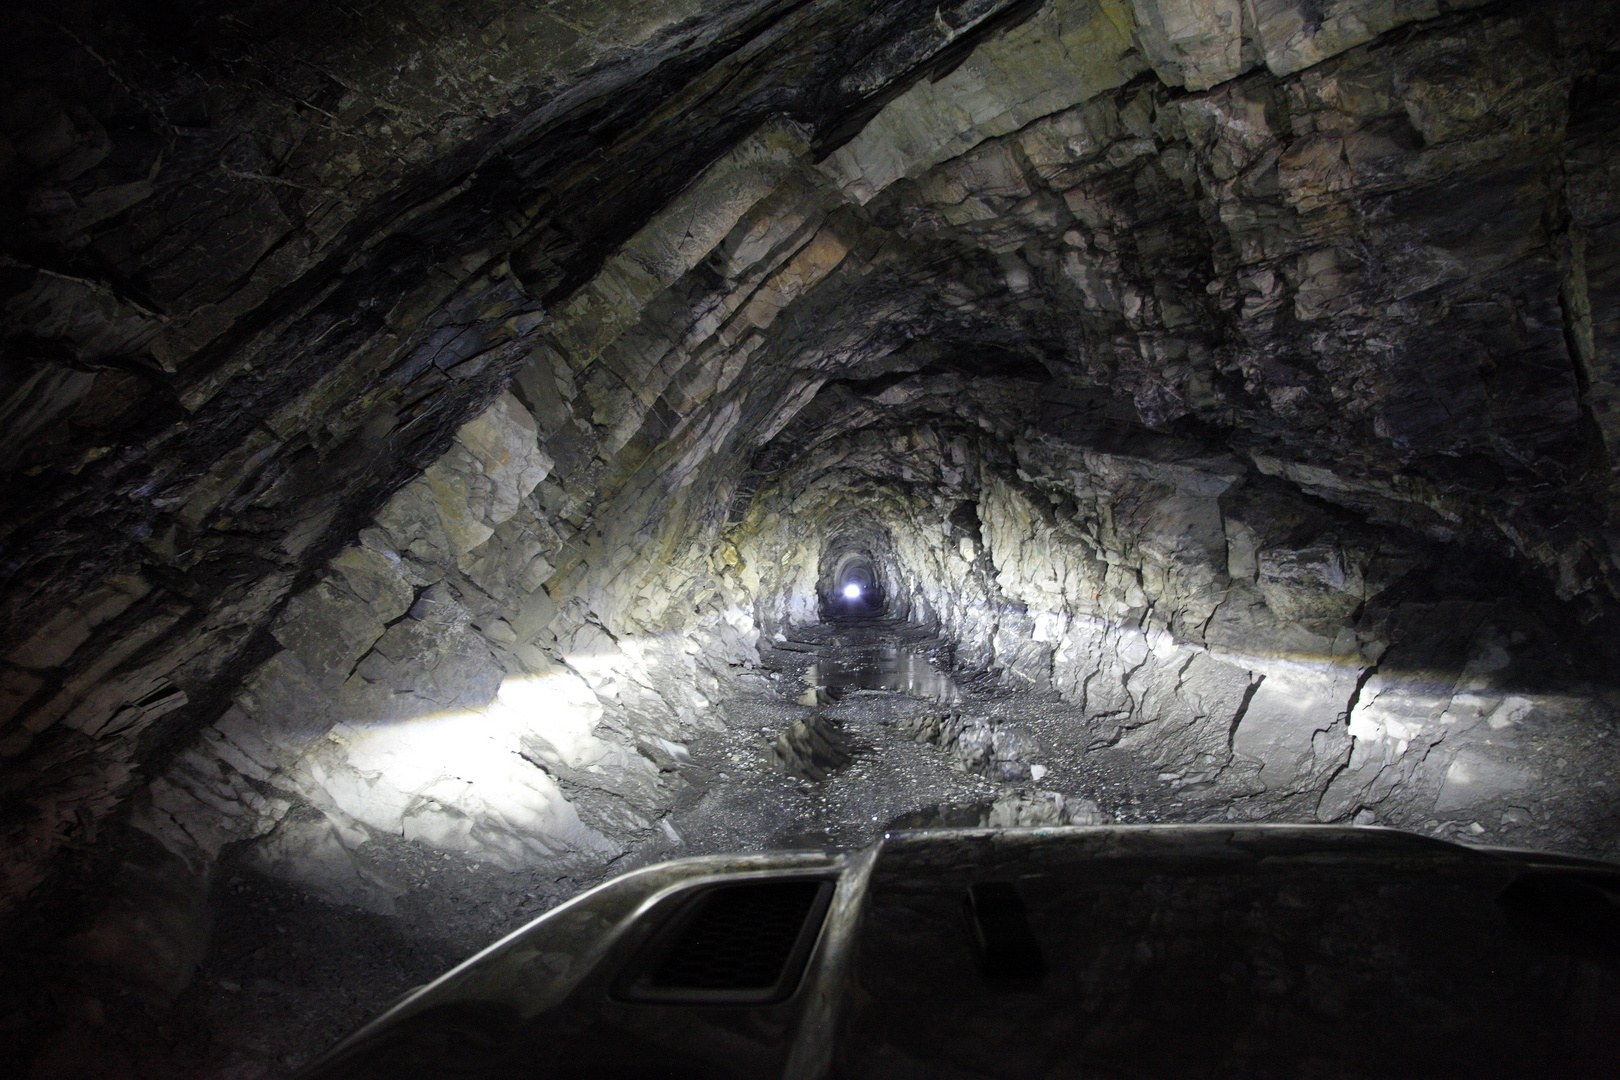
(421, 440)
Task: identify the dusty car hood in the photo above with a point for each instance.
(1130, 951)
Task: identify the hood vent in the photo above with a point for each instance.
(743, 944)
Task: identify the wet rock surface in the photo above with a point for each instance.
(437, 445)
(813, 749)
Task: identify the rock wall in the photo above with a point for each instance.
(261, 265)
(1268, 653)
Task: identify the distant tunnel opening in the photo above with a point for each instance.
(857, 578)
(854, 589)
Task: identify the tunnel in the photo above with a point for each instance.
(457, 453)
(852, 572)
(856, 591)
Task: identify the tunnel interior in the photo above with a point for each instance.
(854, 568)
(436, 443)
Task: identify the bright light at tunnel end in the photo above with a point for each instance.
(852, 591)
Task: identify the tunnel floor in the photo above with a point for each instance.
(871, 653)
(920, 744)
(288, 974)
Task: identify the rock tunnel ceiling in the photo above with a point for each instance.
(446, 431)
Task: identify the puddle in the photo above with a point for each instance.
(891, 668)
